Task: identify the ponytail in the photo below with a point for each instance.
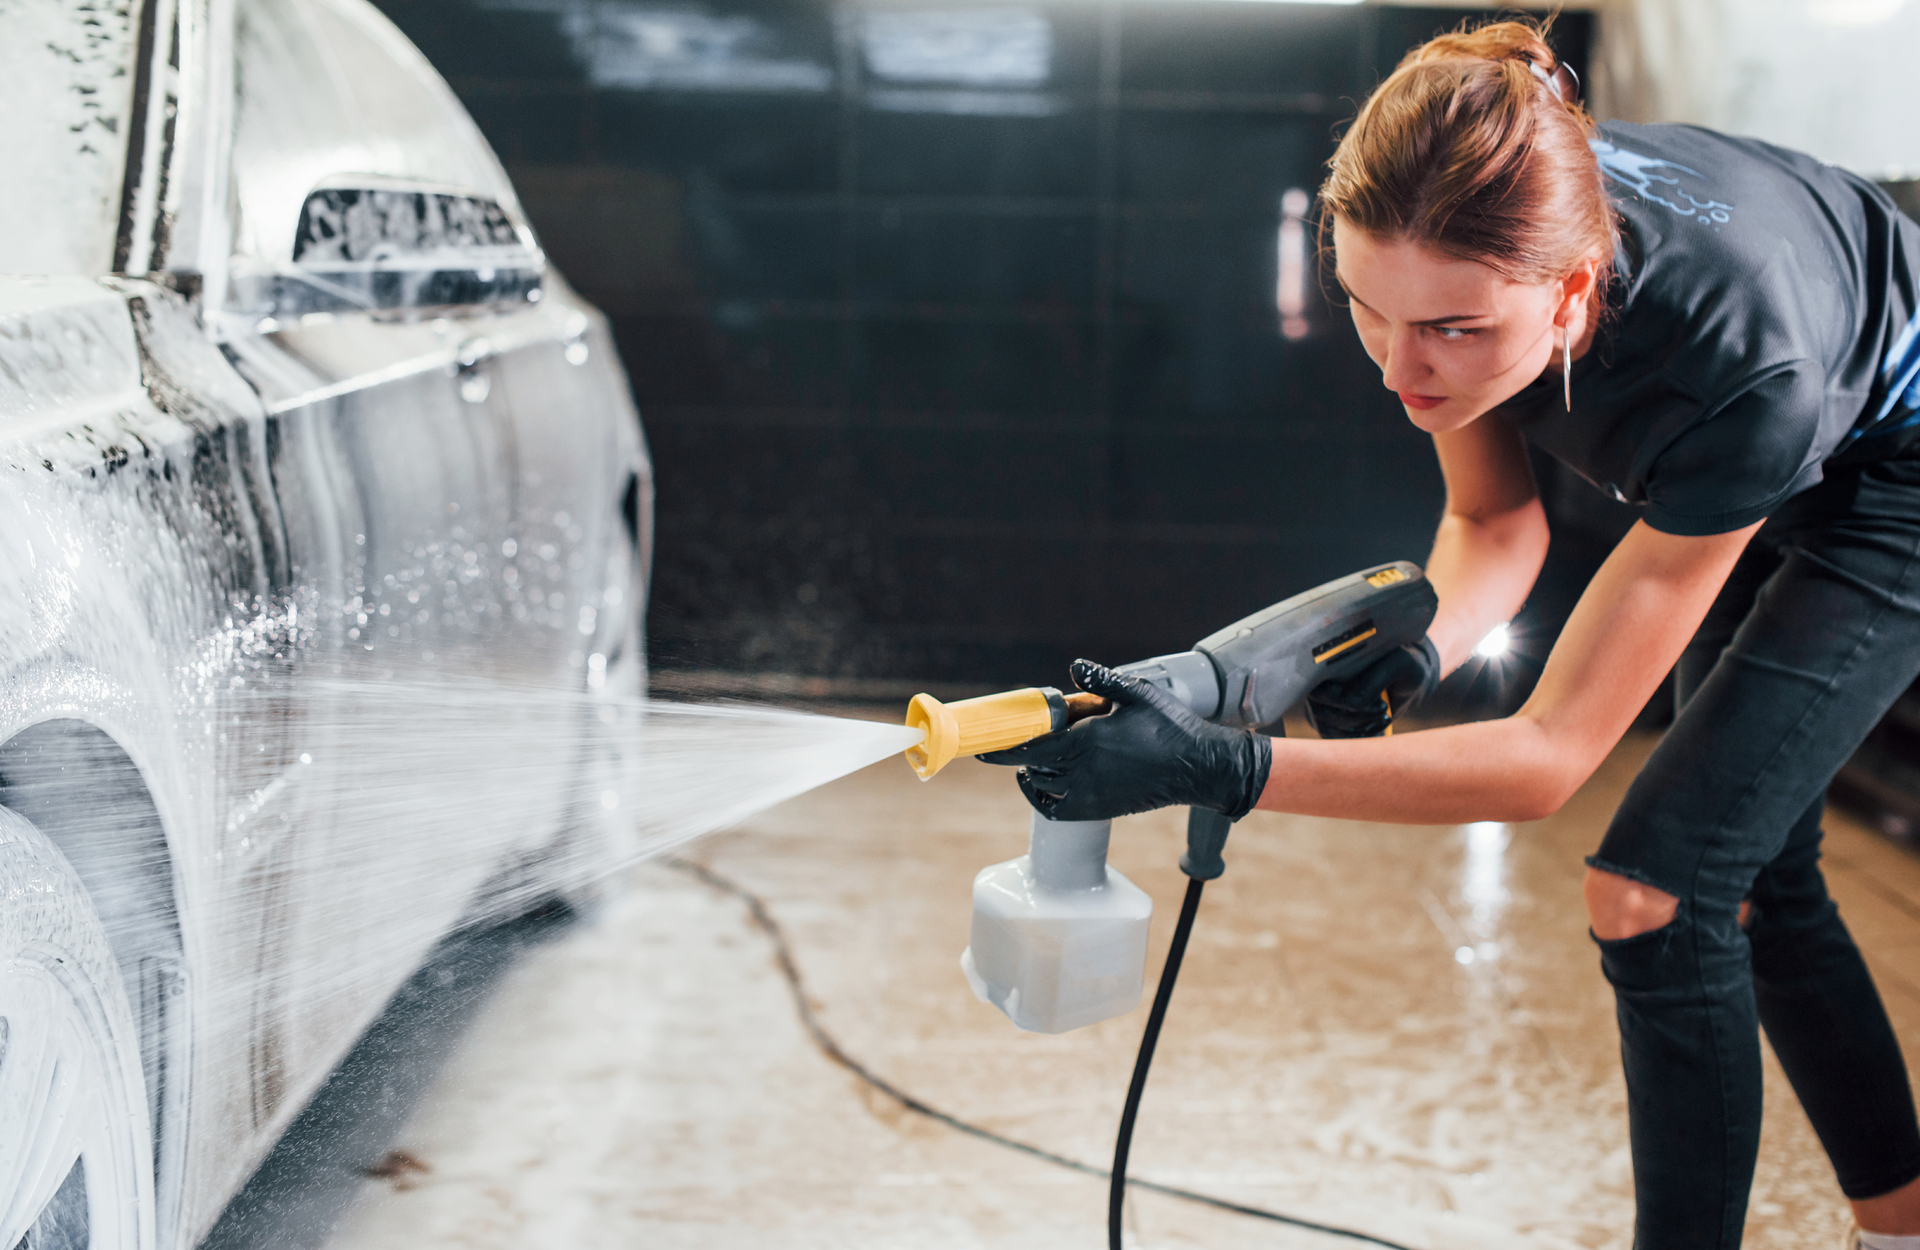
(1476, 146)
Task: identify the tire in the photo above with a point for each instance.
(76, 1146)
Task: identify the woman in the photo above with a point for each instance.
(1723, 334)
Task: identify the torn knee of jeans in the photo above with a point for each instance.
(1626, 907)
(1638, 941)
(1630, 873)
(1659, 963)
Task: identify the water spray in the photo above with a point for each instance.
(1059, 937)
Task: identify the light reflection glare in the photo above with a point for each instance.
(1290, 294)
(1854, 12)
(1483, 886)
(975, 47)
(1483, 882)
(1498, 642)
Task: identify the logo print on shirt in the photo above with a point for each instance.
(1901, 371)
(1649, 177)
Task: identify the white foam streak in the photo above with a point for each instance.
(385, 812)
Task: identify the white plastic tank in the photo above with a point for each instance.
(1059, 938)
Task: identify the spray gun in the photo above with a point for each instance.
(1059, 936)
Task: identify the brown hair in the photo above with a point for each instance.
(1464, 148)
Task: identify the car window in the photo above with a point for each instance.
(359, 179)
(385, 248)
(66, 92)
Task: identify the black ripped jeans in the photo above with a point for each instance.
(1814, 636)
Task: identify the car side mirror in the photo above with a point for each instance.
(384, 249)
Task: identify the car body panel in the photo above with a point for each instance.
(240, 546)
(70, 66)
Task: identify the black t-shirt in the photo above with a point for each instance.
(1762, 324)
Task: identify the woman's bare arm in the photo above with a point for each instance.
(1492, 537)
(1629, 628)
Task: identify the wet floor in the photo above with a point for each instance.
(1398, 1030)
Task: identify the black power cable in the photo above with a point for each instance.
(1123, 1144)
(830, 1047)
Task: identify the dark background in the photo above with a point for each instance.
(954, 374)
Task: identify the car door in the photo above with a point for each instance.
(380, 288)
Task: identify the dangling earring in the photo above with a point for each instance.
(1566, 365)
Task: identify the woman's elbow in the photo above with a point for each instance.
(1541, 787)
(1535, 801)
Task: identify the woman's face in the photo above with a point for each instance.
(1452, 337)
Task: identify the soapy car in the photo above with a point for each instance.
(294, 419)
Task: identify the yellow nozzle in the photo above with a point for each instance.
(992, 722)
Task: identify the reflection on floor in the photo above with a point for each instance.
(1400, 1030)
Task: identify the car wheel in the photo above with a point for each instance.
(76, 1148)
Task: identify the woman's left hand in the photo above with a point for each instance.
(1151, 751)
(1365, 705)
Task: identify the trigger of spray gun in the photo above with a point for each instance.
(991, 722)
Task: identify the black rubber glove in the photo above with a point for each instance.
(1151, 751)
(1364, 705)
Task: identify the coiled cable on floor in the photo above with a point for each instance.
(830, 1047)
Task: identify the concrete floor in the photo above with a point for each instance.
(1401, 1030)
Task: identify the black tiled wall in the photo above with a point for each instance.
(956, 372)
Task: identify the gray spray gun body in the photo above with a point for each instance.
(1248, 674)
(1059, 937)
